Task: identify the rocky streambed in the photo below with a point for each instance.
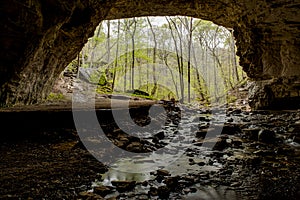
(167, 152)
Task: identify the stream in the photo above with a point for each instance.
(172, 152)
(211, 154)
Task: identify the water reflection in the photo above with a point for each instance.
(213, 193)
(116, 175)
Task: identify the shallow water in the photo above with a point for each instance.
(184, 159)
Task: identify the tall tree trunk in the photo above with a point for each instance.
(218, 63)
(190, 29)
(126, 56)
(188, 23)
(117, 56)
(180, 35)
(179, 57)
(108, 42)
(201, 88)
(153, 91)
(172, 75)
(108, 74)
(95, 45)
(140, 73)
(206, 68)
(214, 53)
(148, 55)
(133, 54)
(216, 88)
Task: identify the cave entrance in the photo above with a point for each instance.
(189, 59)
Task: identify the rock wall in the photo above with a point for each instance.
(39, 38)
(276, 93)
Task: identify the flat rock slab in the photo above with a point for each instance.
(21, 121)
(69, 106)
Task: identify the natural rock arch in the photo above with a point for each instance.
(39, 38)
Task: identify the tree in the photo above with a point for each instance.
(188, 23)
(196, 54)
(134, 22)
(117, 56)
(179, 57)
(154, 58)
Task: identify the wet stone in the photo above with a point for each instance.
(120, 143)
(236, 142)
(201, 133)
(204, 119)
(153, 191)
(134, 147)
(159, 178)
(296, 137)
(199, 162)
(155, 140)
(220, 145)
(190, 179)
(231, 129)
(145, 183)
(267, 136)
(163, 172)
(171, 181)
(235, 184)
(227, 165)
(160, 135)
(143, 197)
(123, 186)
(186, 190)
(230, 120)
(235, 112)
(103, 190)
(89, 196)
(163, 192)
(251, 133)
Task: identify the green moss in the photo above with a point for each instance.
(231, 99)
(55, 96)
(103, 90)
(143, 96)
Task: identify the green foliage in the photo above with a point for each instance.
(103, 90)
(55, 97)
(143, 96)
(162, 92)
(142, 54)
(231, 98)
(212, 58)
(72, 66)
(102, 80)
(85, 65)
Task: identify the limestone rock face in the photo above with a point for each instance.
(277, 93)
(39, 38)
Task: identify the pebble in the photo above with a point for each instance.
(267, 136)
(103, 190)
(163, 172)
(160, 135)
(90, 195)
(123, 186)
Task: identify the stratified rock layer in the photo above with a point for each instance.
(39, 38)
